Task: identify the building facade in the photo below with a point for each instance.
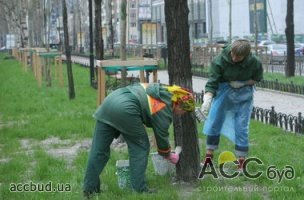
(146, 20)
(240, 16)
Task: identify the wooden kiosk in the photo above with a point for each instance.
(117, 65)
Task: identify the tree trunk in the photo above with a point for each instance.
(110, 38)
(289, 31)
(74, 26)
(68, 51)
(92, 76)
(123, 25)
(179, 68)
(210, 35)
(98, 31)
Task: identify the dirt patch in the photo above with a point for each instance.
(4, 160)
(10, 123)
(117, 145)
(56, 147)
(7, 124)
(186, 190)
(65, 148)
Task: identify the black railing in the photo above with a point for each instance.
(268, 84)
(284, 87)
(286, 122)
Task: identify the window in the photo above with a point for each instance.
(133, 5)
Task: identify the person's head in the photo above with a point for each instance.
(182, 99)
(240, 49)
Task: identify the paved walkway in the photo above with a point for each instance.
(286, 103)
(283, 102)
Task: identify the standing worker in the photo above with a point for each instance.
(125, 111)
(229, 93)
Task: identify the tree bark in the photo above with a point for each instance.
(98, 31)
(123, 25)
(92, 76)
(110, 38)
(179, 69)
(289, 31)
(71, 89)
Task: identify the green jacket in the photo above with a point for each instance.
(224, 70)
(127, 109)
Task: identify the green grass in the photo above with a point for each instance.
(297, 80)
(29, 115)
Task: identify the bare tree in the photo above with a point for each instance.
(81, 15)
(71, 89)
(210, 31)
(36, 28)
(98, 31)
(123, 25)
(179, 68)
(14, 12)
(123, 16)
(289, 31)
(110, 30)
(92, 76)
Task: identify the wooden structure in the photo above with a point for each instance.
(45, 66)
(117, 65)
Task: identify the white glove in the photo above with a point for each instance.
(207, 103)
(237, 84)
(200, 116)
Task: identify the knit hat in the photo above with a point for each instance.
(182, 96)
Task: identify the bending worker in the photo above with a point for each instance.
(229, 93)
(125, 111)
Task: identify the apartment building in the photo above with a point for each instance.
(146, 19)
(271, 16)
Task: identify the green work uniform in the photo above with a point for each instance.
(125, 111)
(223, 69)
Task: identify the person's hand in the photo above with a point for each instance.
(206, 103)
(173, 158)
(200, 116)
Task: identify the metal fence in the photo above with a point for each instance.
(277, 64)
(268, 84)
(279, 86)
(286, 122)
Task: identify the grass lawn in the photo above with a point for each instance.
(45, 139)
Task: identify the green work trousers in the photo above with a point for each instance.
(138, 148)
